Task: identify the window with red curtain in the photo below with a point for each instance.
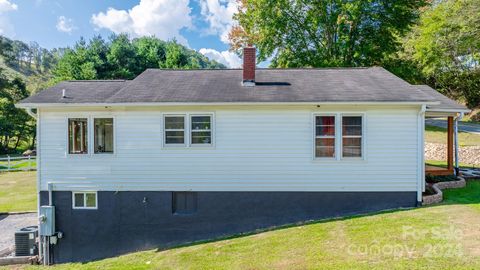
(325, 136)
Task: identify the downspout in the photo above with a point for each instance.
(421, 154)
(31, 113)
(455, 138)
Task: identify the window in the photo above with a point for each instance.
(78, 136)
(103, 135)
(174, 129)
(352, 136)
(201, 130)
(84, 200)
(325, 136)
(184, 202)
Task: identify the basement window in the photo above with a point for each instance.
(78, 136)
(184, 203)
(103, 135)
(84, 200)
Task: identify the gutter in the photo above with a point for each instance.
(158, 104)
(29, 112)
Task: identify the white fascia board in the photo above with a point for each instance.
(156, 104)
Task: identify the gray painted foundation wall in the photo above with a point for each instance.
(124, 223)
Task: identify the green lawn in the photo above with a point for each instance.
(19, 166)
(443, 163)
(18, 191)
(439, 135)
(444, 236)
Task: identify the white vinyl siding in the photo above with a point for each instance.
(257, 148)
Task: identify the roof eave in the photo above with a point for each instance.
(152, 104)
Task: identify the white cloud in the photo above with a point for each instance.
(6, 6)
(227, 58)
(6, 27)
(162, 18)
(65, 24)
(219, 16)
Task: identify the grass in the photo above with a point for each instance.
(443, 163)
(18, 191)
(444, 236)
(17, 165)
(439, 135)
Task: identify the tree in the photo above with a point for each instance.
(150, 52)
(445, 46)
(307, 33)
(122, 58)
(15, 124)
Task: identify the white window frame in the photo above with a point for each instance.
(89, 142)
(362, 142)
(185, 131)
(114, 134)
(188, 134)
(338, 137)
(85, 207)
(190, 131)
(91, 136)
(315, 137)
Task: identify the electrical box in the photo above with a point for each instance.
(47, 220)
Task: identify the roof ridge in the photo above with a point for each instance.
(105, 80)
(258, 68)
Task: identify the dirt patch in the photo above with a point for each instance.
(467, 154)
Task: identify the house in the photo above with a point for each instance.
(176, 156)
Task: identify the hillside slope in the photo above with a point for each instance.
(444, 236)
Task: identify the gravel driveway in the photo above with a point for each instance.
(10, 223)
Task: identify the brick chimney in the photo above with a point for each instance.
(249, 54)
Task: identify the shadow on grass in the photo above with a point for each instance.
(282, 227)
(468, 195)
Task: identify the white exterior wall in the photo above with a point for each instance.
(256, 148)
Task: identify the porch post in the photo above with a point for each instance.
(450, 144)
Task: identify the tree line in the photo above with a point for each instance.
(422, 41)
(123, 58)
(118, 57)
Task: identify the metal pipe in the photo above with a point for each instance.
(455, 138)
(50, 199)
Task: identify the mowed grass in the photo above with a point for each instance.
(18, 191)
(439, 135)
(445, 236)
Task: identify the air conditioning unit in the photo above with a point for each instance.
(26, 241)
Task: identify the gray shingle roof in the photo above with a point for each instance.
(94, 91)
(273, 85)
(446, 104)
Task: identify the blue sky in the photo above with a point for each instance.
(202, 25)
